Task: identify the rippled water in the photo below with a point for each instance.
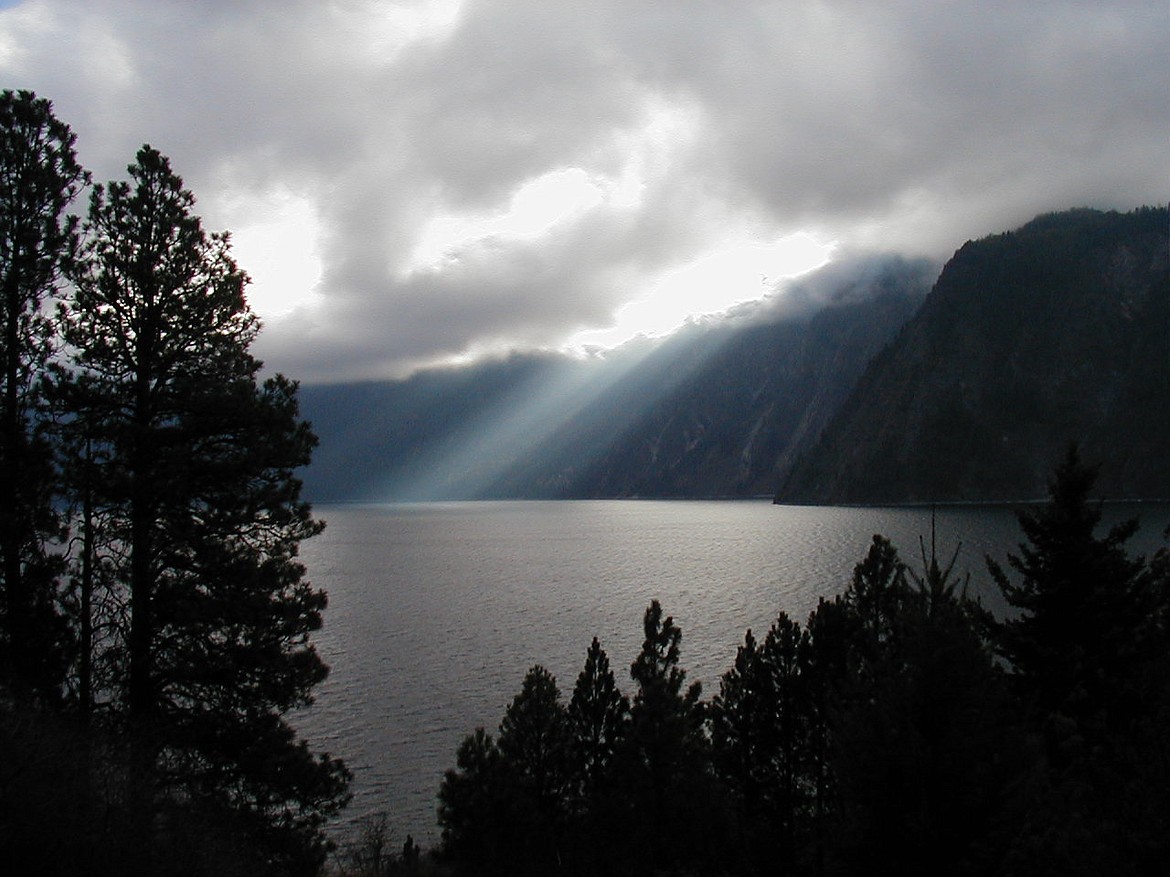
(437, 610)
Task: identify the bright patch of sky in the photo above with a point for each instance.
(535, 209)
(275, 239)
(733, 274)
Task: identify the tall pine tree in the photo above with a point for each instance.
(598, 716)
(663, 760)
(1084, 613)
(194, 480)
(39, 178)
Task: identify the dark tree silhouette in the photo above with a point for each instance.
(1084, 611)
(475, 811)
(195, 480)
(876, 598)
(666, 721)
(825, 663)
(598, 719)
(505, 807)
(1087, 649)
(760, 735)
(534, 744)
(39, 178)
(663, 763)
(924, 751)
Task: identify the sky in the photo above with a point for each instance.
(411, 183)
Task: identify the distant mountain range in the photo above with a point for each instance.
(721, 408)
(852, 385)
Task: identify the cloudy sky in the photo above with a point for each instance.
(425, 180)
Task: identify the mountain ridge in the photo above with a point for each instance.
(719, 409)
(1051, 334)
(873, 381)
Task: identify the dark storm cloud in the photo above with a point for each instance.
(910, 126)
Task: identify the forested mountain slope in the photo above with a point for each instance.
(720, 409)
(1057, 332)
(724, 410)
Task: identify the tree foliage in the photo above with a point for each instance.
(1084, 608)
(138, 419)
(39, 178)
(195, 483)
(901, 729)
(1087, 648)
(598, 720)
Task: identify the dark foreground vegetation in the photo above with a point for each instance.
(154, 621)
(901, 730)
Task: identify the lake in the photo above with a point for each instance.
(437, 610)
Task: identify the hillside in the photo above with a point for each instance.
(1029, 340)
(723, 410)
(720, 409)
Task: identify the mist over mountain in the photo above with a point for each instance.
(1057, 332)
(721, 408)
(851, 385)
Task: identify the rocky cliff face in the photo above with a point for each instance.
(1058, 332)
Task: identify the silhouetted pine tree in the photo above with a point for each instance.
(475, 808)
(876, 599)
(664, 760)
(825, 665)
(39, 178)
(1083, 612)
(598, 718)
(760, 724)
(924, 751)
(534, 743)
(1087, 649)
(195, 484)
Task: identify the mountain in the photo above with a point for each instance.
(721, 408)
(383, 440)
(1057, 332)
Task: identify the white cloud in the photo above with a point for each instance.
(275, 237)
(534, 209)
(555, 163)
(734, 274)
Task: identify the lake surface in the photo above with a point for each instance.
(437, 610)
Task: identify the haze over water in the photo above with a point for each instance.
(437, 610)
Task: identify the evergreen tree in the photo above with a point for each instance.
(598, 717)
(875, 598)
(39, 178)
(534, 745)
(503, 809)
(759, 729)
(1084, 612)
(1087, 653)
(825, 667)
(664, 758)
(475, 812)
(666, 721)
(195, 481)
(924, 753)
